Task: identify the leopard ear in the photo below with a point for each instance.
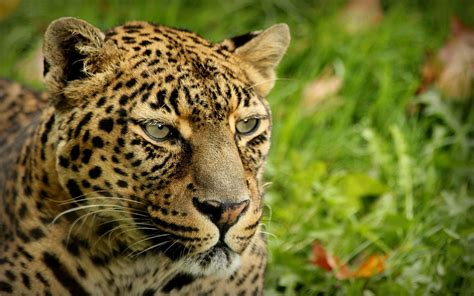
(71, 49)
(262, 51)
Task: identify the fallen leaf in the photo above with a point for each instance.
(342, 271)
(458, 61)
(320, 257)
(325, 86)
(429, 72)
(451, 69)
(374, 265)
(360, 15)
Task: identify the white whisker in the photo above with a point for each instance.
(88, 215)
(147, 249)
(131, 228)
(101, 198)
(104, 234)
(146, 239)
(269, 234)
(271, 80)
(77, 198)
(75, 209)
(174, 242)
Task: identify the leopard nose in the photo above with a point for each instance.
(223, 214)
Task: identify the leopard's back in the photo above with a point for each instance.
(19, 108)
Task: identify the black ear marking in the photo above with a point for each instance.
(46, 67)
(67, 43)
(73, 50)
(261, 51)
(74, 66)
(244, 38)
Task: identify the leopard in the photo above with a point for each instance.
(139, 170)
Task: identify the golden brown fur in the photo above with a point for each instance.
(140, 171)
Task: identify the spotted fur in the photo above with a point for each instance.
(92, 204)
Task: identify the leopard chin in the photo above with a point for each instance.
(219, 261)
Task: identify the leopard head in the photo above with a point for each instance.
(163, 135)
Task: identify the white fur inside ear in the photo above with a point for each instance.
(263, 53)
(75, 51)
(65, 30)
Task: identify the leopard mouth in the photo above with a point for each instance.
(219, 260)
(220, 250)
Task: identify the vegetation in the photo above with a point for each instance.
(374, 168)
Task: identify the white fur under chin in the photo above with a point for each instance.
(220, 265)
(144, 270)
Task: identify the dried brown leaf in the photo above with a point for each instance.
(375, 264)
(451, 70)
(327, 85)
(369, 267)
(320, 257)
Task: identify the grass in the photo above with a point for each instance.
(359, 176)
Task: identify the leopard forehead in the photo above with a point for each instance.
(166, 70)
(173, 46)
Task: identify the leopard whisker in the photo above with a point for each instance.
(146, 239)
(269, 234)
(104, 234)
(270, 80)
(77, 198)
(270, 211)
(131, 228)
(134, 222)
(75, 209)
(181, 254)
(86, 215)
(267, 185)
(174, 242)
(117, 220)
(128, 228)
(147, 249)
(100, 198)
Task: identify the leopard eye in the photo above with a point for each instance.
(247, 126)
(158, 132)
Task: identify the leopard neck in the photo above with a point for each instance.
(37, 181)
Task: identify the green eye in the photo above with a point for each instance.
(247, 126)
(158, 132)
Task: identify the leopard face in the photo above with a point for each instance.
(163, 136)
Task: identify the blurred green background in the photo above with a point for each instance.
(369, 157)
